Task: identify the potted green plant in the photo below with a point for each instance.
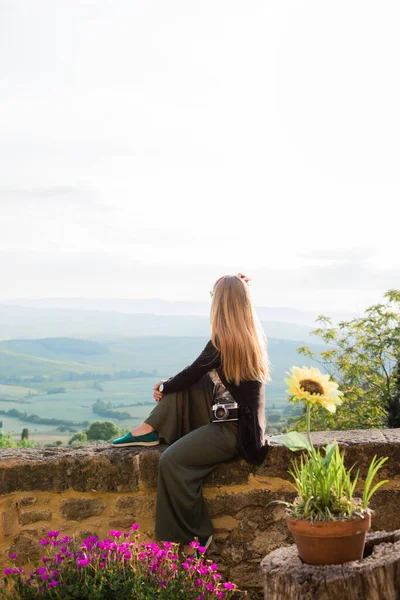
(328, 521)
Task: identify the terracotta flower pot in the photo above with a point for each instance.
(329, 542)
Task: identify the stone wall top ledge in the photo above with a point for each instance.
(103, 468)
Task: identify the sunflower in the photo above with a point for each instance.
(310, 385)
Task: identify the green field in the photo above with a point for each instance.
(89, 371)
(76, 404)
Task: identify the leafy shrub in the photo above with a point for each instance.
(80, 437)
(102, 430)
(6, 441)
(120, 568)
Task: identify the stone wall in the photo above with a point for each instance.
(92, 489)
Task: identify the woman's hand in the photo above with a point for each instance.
(156, 394)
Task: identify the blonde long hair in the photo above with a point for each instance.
(237, 332)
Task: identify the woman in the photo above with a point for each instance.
(233, 367)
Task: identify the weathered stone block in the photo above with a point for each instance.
(148, 466)
(78, 509)
(267, 541)
(126, 503)
(224, 524)
(10, 522)
(233, 472)
(241, 535)
(233, 554)
(136, 508)
(276, 464)
(386, 504)
(25, 548)
(32, 532)
(248, 573)
(121, 522)
(230, 503)
(26, 501)
(32, 516)
(252, 517)
(90, 468)
(216, 505)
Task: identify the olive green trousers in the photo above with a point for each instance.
(196, 448)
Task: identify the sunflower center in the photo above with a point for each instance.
(311, 386)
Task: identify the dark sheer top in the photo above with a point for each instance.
(249, 395)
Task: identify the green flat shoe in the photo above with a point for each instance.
(149, 439)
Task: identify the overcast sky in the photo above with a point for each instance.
(148, 147)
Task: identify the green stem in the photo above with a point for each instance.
(308, 421)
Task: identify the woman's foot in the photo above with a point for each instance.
(142, 429)
(148, 439)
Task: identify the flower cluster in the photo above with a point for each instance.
(120, 566)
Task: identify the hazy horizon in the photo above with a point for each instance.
(164, 306)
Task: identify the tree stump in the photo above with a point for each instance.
(375, 577)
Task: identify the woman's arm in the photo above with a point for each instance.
(207, 360)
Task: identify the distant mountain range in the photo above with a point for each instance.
(81, 317)
(157, 306)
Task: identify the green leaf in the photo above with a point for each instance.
(329, 450)
(292, 440)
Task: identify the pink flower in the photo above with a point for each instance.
(201, 549)
(116, 534)
(53, 534)
(229, 586)
(83, 562)
(135, 526)
(13, 556)
(220, 595)
(194, 544)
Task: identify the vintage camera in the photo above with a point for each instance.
(225, 412)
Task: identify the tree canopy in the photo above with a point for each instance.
(363, 356)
